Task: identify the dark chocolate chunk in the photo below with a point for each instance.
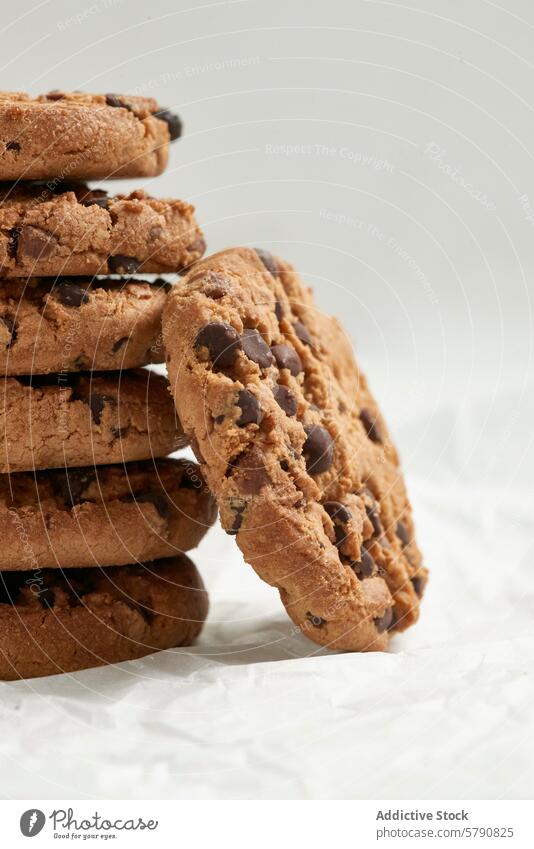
(373, 517)
(222, 342)
(371, 425)
(287, 357)
(318, 449)
(115, 101)
(279, 310)
(96, 405)
(315, 620)
(337, 511)
(237, 520)
(302, 333)
(123, 264)
(284, 465)
(402, 533)
(383, 623)
(418, 583)
(256, 349)
(12, 328)
(251, 412)
(119, 344)
(71, 484)
(173, 122)
(55, 95)
(13, 236)
(12, 145)
(35, 243)
(101, 201)
(285, 399)
(268, 261)
(71, 294)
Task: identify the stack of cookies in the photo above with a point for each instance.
(89, 501)
(288, 436)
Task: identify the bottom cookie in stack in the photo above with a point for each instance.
(53, 621)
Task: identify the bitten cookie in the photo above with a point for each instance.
(79, 324)
(294, 448)
(52, 622)
(85, 419)
(83, 136)
(60, 229)
(102, 515)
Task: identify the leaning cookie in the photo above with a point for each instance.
(71, 419)
(62, 229)
(294, 448)
(102, 324)
(102, 515)
(53, 622)
(83, 136)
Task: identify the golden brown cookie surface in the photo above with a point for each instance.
(294, 448)
(77, 324)
(85, 419)
(102, 515)
(61, 229)
(53, 622)
(83, 136)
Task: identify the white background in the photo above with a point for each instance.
(408, 215)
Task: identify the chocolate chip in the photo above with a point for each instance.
(302, 333)
(418, 583)
(71, 484)
(402, 533)
(173, 122)
(371, 425)
(12, 328)
(237, 520)
(219, 419)
(222, 342)
(372, 515)
(115, 101)
(155, 232)
(338, 511)
(315, 620)
(123, 264)
(96, 405)
(279, 310)
(13, 236)
(12, 145)
(367, 564)
(256, 349)
(47, 597)
(287, 357)
(251, 412)
(102, 201)
(70, 294)
(35, 243)
(119, 344)
(268, 260)
(383, 623)
(285, 399)
(318, 449)
(284, 465)
(55, 95)
(118, 432)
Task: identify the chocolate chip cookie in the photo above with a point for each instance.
(102, 515)
(49, 230)
(294, 448)
(52, 622)
(69, 419)
(74, 324)
(83, 136)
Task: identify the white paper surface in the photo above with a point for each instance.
(256, 712)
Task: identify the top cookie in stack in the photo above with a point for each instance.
(84, 429)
